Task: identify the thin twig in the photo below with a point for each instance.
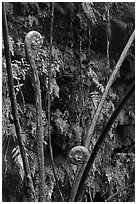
(119, 192)
(108, 33)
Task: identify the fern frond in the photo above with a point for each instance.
(95, 79)
(99, 85)
(18, 161)
(95, 98)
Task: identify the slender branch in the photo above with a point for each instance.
(119, 192)
(100, 140)
(95, 118)
(33, 42)
(31, 191)
(89, 40)
(49, 101)
(108, 33)
(111, 80)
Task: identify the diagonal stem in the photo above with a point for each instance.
(49, 101)
(95, 118)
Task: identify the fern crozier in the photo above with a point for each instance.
(79, 155)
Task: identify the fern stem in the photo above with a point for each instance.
(38, 105)
(111, 80)
(31, 191)
(76, 186)
(100, 140)
(49, 101)
(108, 33)
(123, 189)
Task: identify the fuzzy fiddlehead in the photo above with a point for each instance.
(33, 43)
(79, 155)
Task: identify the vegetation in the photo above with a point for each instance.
(64, 99)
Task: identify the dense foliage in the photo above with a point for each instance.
(82, 63)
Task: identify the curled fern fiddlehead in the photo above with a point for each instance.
(79, 155)
(33, 43)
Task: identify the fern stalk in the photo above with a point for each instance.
(108, 33)
(33, 42)
(76, 186)
(123, 189)
(100, 140)
(26, 166)
(49, 101)
(110, 82)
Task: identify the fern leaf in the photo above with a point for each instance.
(95, 98)
(18, 161)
